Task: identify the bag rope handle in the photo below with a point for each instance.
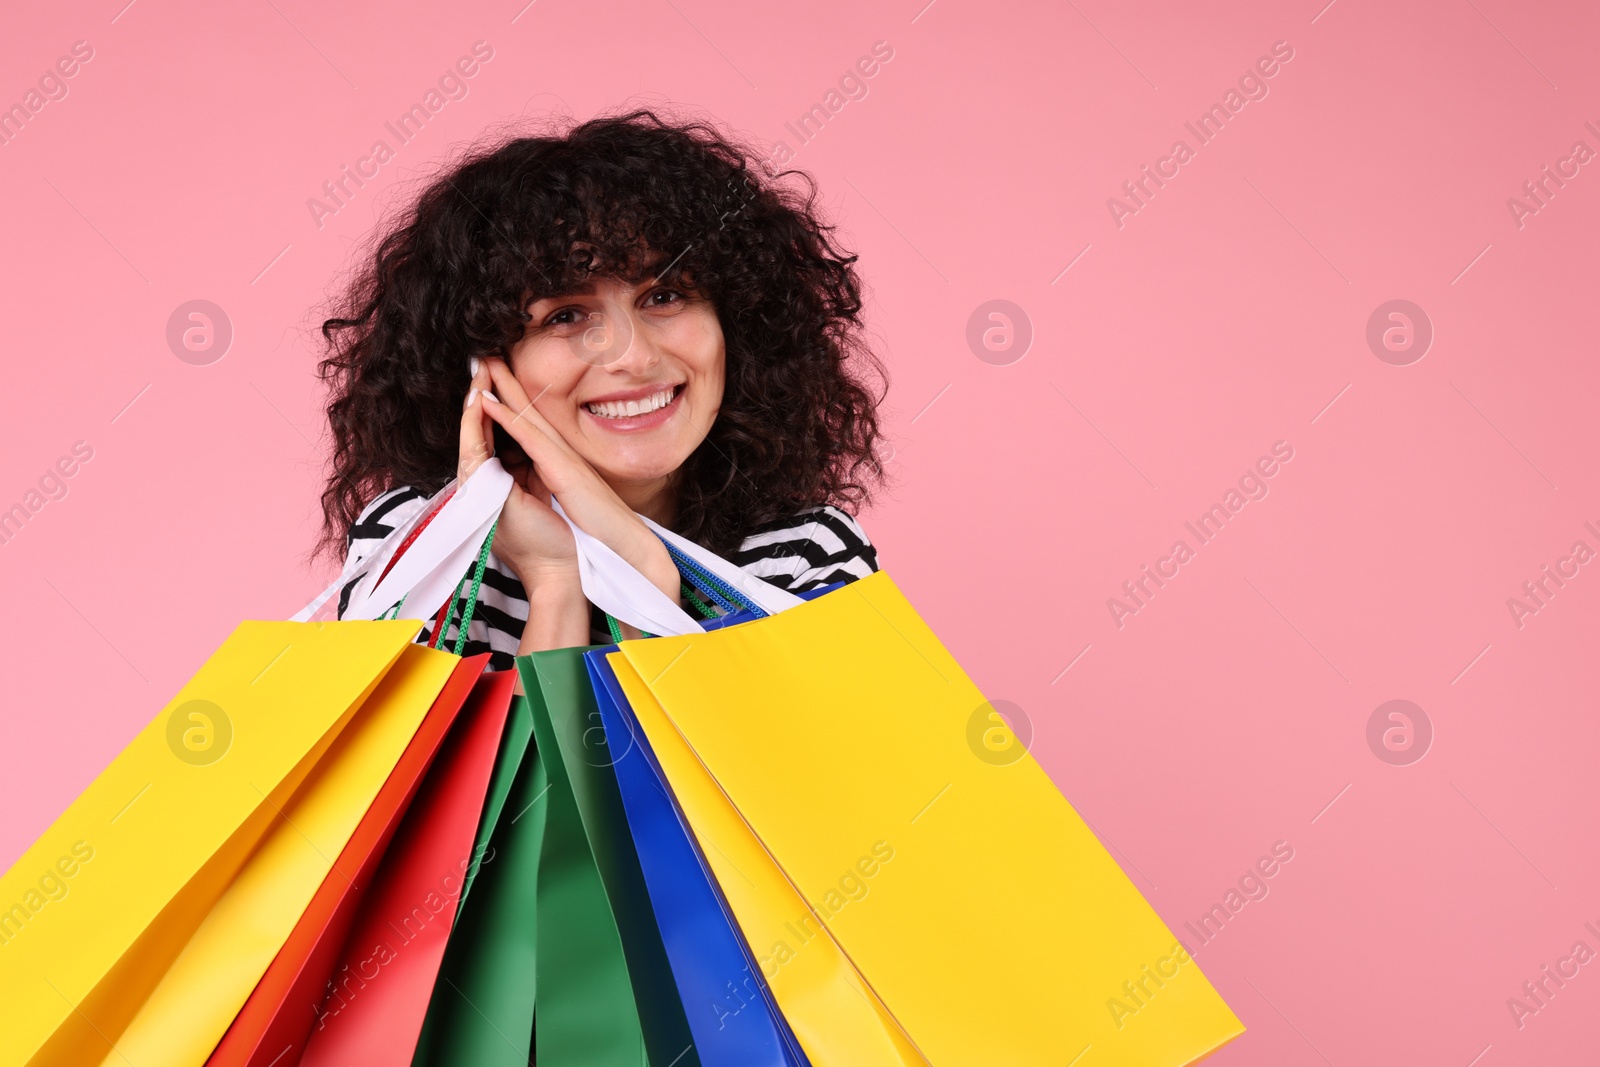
(472, 599)
(692, 578)
(688, 592)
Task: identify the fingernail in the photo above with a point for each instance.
(475, 365)
(471, 396)
(490, 397)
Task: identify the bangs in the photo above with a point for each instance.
(598, 217)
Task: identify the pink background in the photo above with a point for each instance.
(1229, 313)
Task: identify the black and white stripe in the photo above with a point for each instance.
(814, 548)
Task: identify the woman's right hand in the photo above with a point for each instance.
(531, 536)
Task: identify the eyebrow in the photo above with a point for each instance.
(587, 287)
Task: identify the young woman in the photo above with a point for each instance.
(635, 319)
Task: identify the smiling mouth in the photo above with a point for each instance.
(627, 409)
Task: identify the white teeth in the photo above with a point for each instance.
(621, 409)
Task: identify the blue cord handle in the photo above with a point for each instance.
(726, 596)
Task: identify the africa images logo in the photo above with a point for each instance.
(1252, 85)
(1251, 486)
(52, 885)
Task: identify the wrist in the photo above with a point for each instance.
(558, 613)
(535, 574)
(652, 560)
(665, 577)
(558, 617)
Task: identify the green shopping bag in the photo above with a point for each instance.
(537, 925)
(513, 748)
(606, 992)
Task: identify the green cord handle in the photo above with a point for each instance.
(472, 597)
(688, 591)
(470, 608)
(699, 605)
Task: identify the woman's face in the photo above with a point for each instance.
(631, 375)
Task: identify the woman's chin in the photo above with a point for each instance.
(636, 473)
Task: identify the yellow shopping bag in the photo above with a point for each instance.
(834, 1014)
(107, 899)
(195, 1001)
(973, 901)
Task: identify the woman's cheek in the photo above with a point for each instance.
(546, 375)
(706, 341)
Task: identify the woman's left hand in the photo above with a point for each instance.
(584, 495)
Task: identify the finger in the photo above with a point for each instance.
(583, 494)
(558, 467)
(509, 391)
(527, 489)
(508, 405)
(476, 426)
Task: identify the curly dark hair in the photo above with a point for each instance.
(616, 196)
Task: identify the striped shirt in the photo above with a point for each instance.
(816, 547)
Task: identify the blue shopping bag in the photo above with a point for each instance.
(732, 1014)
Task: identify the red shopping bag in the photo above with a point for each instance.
(301, 970)
(374, 1006)
(282, 1009)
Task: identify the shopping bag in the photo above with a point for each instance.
(830, 1008)
(109, 896)
(481, 1009)
(371, 1013)
(845, 1019)
(279, 1012)
(732, 1015)
(194, 1001)
(563, 953)
(604, 978)
(963, 887)
(834, 1013)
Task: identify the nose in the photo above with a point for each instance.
(641, 352)
(616, 339)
